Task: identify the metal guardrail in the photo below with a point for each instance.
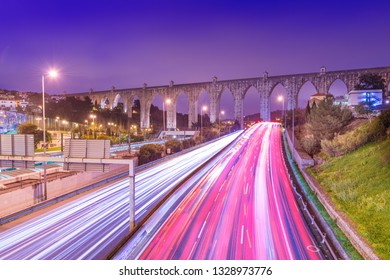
(322, 232)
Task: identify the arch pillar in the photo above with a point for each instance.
(193, 98)
(215, 92)
(171, 108)
(145, 100)
(292, 98)
(238, 95)
(111, 97)
(215, 104)
(126, 97)
(171, 115)
(265, 114)
(351, 81)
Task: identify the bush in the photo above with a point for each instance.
(348, 142)
(327, 119)
(310, 145)
(150, 152)
(188, 143)
(138, 138)
(174, 145)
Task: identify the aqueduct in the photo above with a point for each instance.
(264, 85)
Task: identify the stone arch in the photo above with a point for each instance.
(337, 86)
(134, 112)
(117, 100)
(277, 84)
(226, 104)
(204, 97)
(105, 103)
(254, 106)
(183, 103)
(277, 107)
(203, 100)
(95, 100)
(156, 119)
(305, 91)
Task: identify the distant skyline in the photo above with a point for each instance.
(100, 44)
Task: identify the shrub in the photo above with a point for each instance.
(150, 152)
(346, 143)
(188, 143)
(174, 145)
(310, 145)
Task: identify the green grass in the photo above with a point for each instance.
(359, 185)
(344, 241)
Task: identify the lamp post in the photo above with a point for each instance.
(280, 98)
(293, 135)
(204, 108)
(220, 113)
(51, 74)
(92, 116)
(168, 101)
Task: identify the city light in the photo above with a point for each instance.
(51, 74)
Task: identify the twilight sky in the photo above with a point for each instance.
(125, 43)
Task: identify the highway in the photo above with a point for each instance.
(243, 208)
(88, 227)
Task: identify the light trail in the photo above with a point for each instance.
(88, 227)
(243, 208)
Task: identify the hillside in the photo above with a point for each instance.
(359, 185)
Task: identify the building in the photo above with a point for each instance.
(7, 103)
(318, 97)
(341, 100)
(372, 97)
(22, 103)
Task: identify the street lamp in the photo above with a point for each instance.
(168, 101)
(204, 108)
(92, 116)
(51, 74)
(293, 134)
(281, 98)
(220, 113)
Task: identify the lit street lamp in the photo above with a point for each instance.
(281, 98)
(51, 74)
(293, 135)
(204, 108)
(168, 101)
(220, 113)
(92, 116)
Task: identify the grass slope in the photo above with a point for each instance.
(359, 185)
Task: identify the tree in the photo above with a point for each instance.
(150, 152)
(370, 81)
(307, 111)
(236, 126)
(328, 119)
(174, 145)
(28, 128)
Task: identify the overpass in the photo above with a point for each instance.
(264, 86)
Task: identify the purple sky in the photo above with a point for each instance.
(99, 44)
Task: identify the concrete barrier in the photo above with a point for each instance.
(300, 159)
(25, 196)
